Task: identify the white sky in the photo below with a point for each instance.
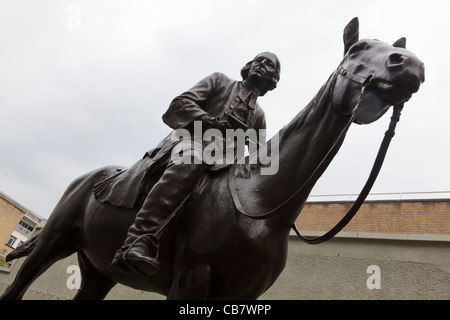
(83, 84)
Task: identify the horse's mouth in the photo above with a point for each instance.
(395, 93)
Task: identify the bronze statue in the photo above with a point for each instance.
(212, 101)
(222, 245)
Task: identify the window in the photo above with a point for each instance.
(24, 228)
(11, 241)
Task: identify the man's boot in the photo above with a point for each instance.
(140, 250)
(142, 255)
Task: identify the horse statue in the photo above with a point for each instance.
(233, 243)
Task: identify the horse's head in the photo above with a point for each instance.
(390, 73)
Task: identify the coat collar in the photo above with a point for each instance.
(245, 91)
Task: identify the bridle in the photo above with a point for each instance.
(365, 83)
(389, 134)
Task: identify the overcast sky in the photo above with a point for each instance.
(83, 84)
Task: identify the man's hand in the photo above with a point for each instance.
(210, 122)
(223, 125)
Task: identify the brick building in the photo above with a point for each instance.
(16, 224)
(414, 217)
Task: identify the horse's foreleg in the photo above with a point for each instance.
(192, 284)
(94, 286)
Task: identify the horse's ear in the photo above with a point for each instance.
(400, 43)
(351, 34)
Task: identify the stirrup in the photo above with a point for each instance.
(150, 238)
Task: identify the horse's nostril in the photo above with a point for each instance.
(422, 72)
(395, 59)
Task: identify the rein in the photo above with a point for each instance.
(389, 134)
(365, 83)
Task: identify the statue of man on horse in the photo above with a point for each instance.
(230, 236)
(213, 102)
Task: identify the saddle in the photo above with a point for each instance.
(113, 186)
(127, 187)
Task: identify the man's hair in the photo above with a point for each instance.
(273, 82)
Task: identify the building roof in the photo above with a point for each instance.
(28, 213)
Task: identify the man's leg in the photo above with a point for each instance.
(140, 249)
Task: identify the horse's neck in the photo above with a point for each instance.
(303, 147)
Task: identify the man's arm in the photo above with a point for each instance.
(189, 106)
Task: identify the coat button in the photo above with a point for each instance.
(231, 106)
(237, 99)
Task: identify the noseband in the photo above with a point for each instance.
(355, 78)
(389, 134)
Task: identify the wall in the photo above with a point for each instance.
(409, 269)
(399, 217)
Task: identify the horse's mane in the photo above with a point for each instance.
(246, 169)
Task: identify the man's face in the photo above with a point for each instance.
(263, 69)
